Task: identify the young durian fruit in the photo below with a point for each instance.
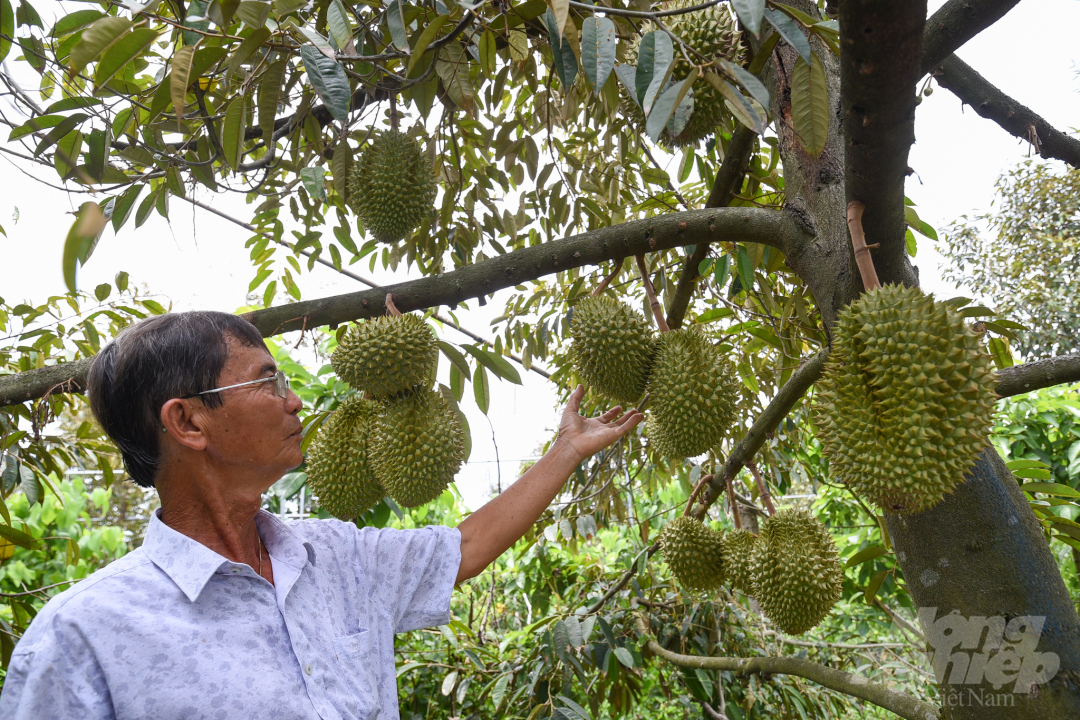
(693, 392)
(417, 446)
(738, 546)
(392, 187)
(387, 355)
(797, 575)
(907, 399)
(694, 552)
(612, 348)
(711, 32)
(338, 470)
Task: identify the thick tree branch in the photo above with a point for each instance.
(956, 22)
(1020, 379)
(749, 225)
(728, 180)
(880, 65)
(906, 706)
(974, 90)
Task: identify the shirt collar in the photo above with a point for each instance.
(190, 564)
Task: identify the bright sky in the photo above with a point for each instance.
(199, 260)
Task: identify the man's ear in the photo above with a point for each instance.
(183, 421)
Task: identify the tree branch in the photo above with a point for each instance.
(749, 225)
(1020, 379)
(906, 706)
(880, 65)
(974, 90)
(728, 180)
(956, 22)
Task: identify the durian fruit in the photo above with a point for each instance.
(386, 355)
(337, 462)
(693, 392)
(713, 33)
(392, 187)
(417, 446)
(694, 552)
(738, 546)
(612, 348)
(797, 572)
(907, 399)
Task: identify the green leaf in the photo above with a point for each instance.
(81, 238)
(627, 75)
(737, 102)
(7, 28)
(1000, 329)
(790, 32)
(196, 9)
(425, 39)
(71, 103)
(178, 81)
(318, 41)
(874, 585)
(122, 210)
(95, 40)
(909, 241)
(750, 12)
(721, 269)
(341, 166)
(999, 351)
(977, 311)
(481, 390)
(232, 131)
(312, 178)
(1033, 473)
(123, 53)
(247, 49)
(339, 24)
(1049, 488)
(494, 362)
(745, 269)
(18, 537)
(102, 291)
(329, 80)
(75, 21)
(487, 52)
(452, 65)
(597, 50)
(560, 10)
(58, 132)
(269, 92)
(623, 655)
(665, 106)
(499, 691)
(121, 278)
(1021, 464)
(874, 551)
(66, 155)
(810, 104)
(456, 358)
(395, 23)
(253, 13)
(755, 87)
(578, 711)
(561, 51)
(656, 58)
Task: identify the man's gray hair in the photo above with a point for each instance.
(151, 362)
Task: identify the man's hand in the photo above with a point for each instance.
(587, 436)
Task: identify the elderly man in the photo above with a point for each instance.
(225, 611)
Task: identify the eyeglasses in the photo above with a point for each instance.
(281, 386)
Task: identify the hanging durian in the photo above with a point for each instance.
(612, 348)
(338, 471)
(417, 446)
(907, 399)
(693, 394)
(694, 552)
(711, 32)
(392, 187)
(797, 572)
(738, 546)
(387, 355)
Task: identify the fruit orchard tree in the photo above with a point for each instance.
(541, 123)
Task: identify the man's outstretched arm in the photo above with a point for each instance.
(489, 531)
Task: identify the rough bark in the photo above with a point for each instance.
(956, 22)
(1037, 374)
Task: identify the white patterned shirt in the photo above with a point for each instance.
(174, 630)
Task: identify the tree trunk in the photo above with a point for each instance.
(978, 560)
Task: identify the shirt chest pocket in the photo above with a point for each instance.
(356, 656)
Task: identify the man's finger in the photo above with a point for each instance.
(574, 404)
(610, 414)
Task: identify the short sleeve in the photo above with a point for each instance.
(413, 572)
(55, 677)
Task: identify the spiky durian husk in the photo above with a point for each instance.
(797, 572)
(392, 187)
(387, 355)
(907, 399)
(338, 470)
(694, 552)
(612, 348)
(713, 33)
(738, 545)
(417, 446)
(693, 394)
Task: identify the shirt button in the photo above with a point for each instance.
(308, 669)
(235, 570)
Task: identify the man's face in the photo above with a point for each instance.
(253, 427)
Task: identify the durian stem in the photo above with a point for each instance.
(762, 486)
(697, 491)
(729, 483)
(657, 308)
(393, 113)
(607, 281)
(391, 308)
(862, 250)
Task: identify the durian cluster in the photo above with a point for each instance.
(691, 385)
(713, 33)
(407, 441)
(907, 399)
(392, 187)
(792, 568)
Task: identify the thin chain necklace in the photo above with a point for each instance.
(259, 550)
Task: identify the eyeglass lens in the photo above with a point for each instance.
(281, 383)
